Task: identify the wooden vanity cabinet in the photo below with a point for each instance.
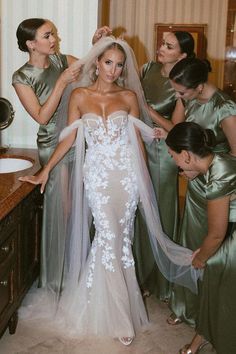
(20, 233)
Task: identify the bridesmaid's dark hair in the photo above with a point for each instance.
(26, 31)
(192, 137)
(186, 43)
(190, 72)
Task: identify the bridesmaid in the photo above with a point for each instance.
(161, 96)
(208, 106)
(39, 84)
(191, 148)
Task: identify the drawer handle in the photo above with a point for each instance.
(3, 283)
(5, 249)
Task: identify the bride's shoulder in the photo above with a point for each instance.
(127, 92)
(80, 91)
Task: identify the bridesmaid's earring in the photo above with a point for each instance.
(97, 71)
(201, 90)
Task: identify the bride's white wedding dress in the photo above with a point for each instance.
(107, 300)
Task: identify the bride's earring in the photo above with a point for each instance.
(97, 71)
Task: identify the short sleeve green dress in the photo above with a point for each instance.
(42, 82)
(193, 228)
(161, 96)
(217, 305)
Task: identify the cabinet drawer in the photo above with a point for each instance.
(8, 249)
(7, 290)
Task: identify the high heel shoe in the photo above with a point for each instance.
(126, 340)
(173, 320)
(187, 348)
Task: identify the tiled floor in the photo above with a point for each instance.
(160, 338)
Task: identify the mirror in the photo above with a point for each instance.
(6, 113)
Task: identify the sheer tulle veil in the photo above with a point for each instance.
(72, 219)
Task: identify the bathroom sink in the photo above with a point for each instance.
(11, 164)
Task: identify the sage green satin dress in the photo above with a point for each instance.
(161, 96)
(217, 305)
(42, 81)
(183, 302)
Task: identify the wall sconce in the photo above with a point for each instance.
(230, 53)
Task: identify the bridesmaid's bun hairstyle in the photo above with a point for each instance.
(26, 31)
(191, 137)
(190, 72)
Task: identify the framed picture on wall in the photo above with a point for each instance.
(198, 31)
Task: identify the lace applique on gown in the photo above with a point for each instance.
(107, 300)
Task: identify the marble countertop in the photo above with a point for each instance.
(12, 191)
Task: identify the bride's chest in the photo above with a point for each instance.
(105, 130)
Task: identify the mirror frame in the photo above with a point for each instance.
(10, 113)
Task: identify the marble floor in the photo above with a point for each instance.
(160, 338)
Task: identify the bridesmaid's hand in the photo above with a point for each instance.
(101, 32)
(197, 262)
(160, 133)
(41, 178)
(71, 74)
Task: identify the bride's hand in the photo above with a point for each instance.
(41, 178)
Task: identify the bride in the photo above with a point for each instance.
(109, 178)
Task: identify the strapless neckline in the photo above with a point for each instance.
(109, 116)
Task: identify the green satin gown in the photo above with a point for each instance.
(217, 305)
(161, 96)
(183, 302)
(42, 81)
